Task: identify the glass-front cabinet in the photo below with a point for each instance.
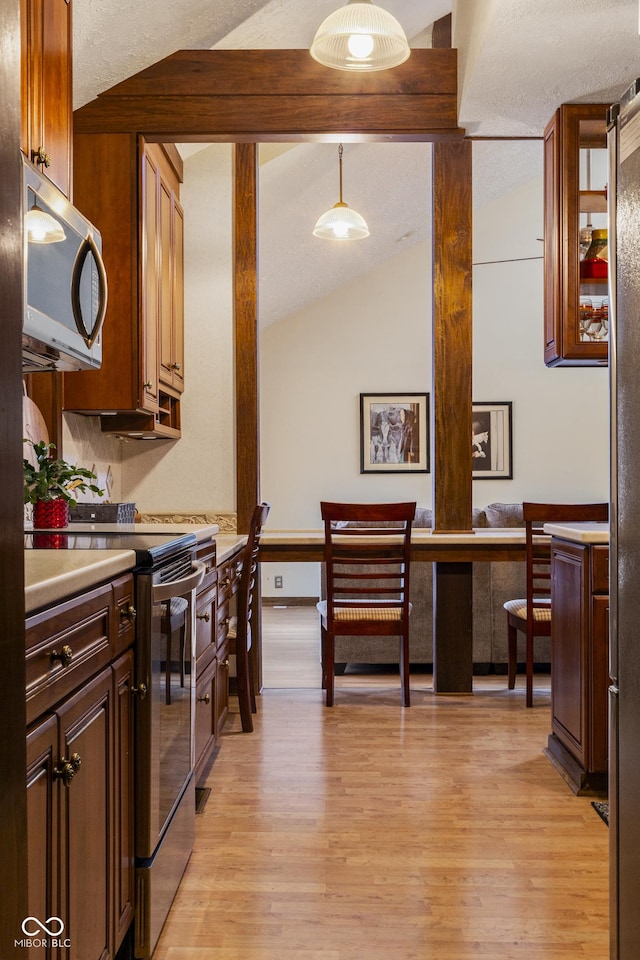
(576, 303)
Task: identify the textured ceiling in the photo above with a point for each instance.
(519, 59)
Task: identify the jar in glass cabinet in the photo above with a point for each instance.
(576, 304)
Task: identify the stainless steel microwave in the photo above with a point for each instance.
(65, 284)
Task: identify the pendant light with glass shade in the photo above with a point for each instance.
(341, 222)
(360, 37)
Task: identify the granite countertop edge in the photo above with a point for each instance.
(53, 575)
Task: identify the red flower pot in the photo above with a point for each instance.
(50, 514)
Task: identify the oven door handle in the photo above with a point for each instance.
(175, 588)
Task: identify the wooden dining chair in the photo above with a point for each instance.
(367, 578)
(239, 635)
(532, 614)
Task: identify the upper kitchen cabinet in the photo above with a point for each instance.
(46, 88)
(575, 237)
(130, 189)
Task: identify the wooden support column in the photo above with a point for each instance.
(452, 356)
(246, 332)
(247, 371)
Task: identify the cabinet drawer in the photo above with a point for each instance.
(205, 715)
(66, 645)
(600, 569)
(123, 598)
(206, 623)
(206, 553)
(223, 618)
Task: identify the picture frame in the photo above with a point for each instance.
(394, 433)
(491, 441)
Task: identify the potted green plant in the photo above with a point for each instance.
(50, 485)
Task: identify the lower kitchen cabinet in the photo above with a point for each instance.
(578, 741)
(214, 608)
(80, 792)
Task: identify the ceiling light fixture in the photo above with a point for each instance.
(41, 227)
(360, 37)
(341, 222)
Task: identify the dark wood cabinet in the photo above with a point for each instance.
(575, 181)
(214, 610)
(80, 770)
(138, 389)
(46, 88)
(579, 656)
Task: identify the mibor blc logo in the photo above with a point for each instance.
(39, 933)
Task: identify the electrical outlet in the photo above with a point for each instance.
(277, 582)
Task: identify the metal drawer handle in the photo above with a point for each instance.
(67, 769)
(140, 690)
(203, 616)
(128, 613)
(206, 699)
(65, 656)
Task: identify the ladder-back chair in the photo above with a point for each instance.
(240, 630)
(367, 576)
(532, 614)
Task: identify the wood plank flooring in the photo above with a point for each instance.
(369, 832)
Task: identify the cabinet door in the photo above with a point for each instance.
(569, 649)
(124, 864)
(42, 825)
(599, 683)
(177, 300)
(222, 688)
(205, 717)
(150, 300)
(46, 86)
(87, 818)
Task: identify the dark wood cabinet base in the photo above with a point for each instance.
(582, 782)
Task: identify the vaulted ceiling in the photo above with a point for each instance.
(518, 60)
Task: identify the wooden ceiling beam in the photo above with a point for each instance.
(263, 95)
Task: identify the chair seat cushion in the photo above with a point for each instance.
(362, 611)
(519, 609)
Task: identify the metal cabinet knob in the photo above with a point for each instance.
(225, 582)
(148, 384)
(40, 157)
(66, 770)
(203, 616)
(140, 690)
(65, 656)
(128, 613)
(176, 366)
(206, 699)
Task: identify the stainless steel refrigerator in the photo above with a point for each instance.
(624, 640)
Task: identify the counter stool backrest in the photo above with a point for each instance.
(532, 614)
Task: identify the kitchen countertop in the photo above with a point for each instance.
(50, 575)
(586, 532)
(202, 531)
(227, 544)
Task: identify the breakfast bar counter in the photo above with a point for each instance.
(427, 546)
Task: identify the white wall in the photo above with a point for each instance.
(197, 474)
(375, 335)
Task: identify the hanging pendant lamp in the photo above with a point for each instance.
(360, 37)
(341, 222)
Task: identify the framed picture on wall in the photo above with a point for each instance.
(491, 452)
(394, 433)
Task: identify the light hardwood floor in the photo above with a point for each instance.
(369, 832)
